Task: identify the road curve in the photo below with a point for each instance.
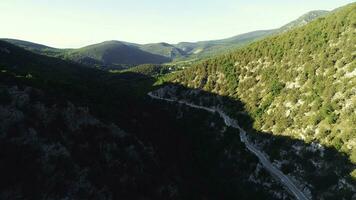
(274, 171)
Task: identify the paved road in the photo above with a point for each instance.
(276, 173)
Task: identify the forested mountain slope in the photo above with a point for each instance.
(113, 54)
(38, 48)
(69, 131)
(164, 49)
(300, 84)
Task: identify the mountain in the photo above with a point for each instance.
(164, 49)
(298, 84)
(213, 47)
(119, 55)
(114, 53)
(38, 48)
(216, 45)
(303, 20)
(109, 54)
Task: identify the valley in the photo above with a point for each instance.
(269, 114)
(265, 162)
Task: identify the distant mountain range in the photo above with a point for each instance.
(119, 54)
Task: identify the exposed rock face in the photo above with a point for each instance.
(52, 151)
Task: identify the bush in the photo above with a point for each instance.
(353, 174)
(276, 87)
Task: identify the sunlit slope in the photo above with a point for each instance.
(301, 83)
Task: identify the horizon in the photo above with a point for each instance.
(79, 24)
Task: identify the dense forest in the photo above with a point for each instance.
(299, 84)
(69, 131)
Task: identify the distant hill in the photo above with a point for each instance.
(114, 54)
(303, 20)
(37, 48)
(164, 49)
(213, 47)
(121, 55)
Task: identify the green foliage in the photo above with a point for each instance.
(148, 70)
(353, 174)
(113, 54)
(298, 79)
(276, 87)
(108, 159)
(164, 49)
(328, 112)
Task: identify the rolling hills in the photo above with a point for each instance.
(121, 55)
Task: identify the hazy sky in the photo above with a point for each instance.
(75, 23)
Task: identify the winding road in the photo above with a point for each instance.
(274, 171)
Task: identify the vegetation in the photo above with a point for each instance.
(48, 126)
(207, 49)
(300, 83)
(164, 49)
(148, 70)
(113, 54)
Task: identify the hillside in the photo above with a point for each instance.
(310, 71)
(38, 48)
(210, 48)
(74, 129)
(59, 150)
(107, 55)
(300, 84)
(303, 20)
(113, 54)
(164, 49)
(205, 49)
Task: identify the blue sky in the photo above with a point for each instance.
(76, 23)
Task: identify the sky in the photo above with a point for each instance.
(76, 23)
